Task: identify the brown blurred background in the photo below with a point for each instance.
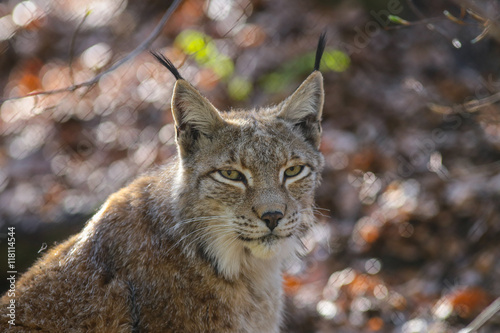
(407, 239)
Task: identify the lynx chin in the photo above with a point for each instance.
(199, 244)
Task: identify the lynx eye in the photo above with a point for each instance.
(294, 170)
(232, 175)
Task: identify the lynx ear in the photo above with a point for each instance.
(196, 119)
(304, 108)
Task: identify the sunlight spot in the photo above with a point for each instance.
(341, 278)
(97, 56)
(14, 110)
(327, 309)
(218, 10)
(25, 12)
(106, 132)
(380, 291)
(415, 326)
(373, 266)
(361, 304)
(444, 309)
(456, 43)
(7, 27)
(98, 12)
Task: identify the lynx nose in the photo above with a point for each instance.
(272, 219)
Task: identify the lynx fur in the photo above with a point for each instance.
(199, 244)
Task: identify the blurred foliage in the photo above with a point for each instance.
(205, 52)
(333, 60)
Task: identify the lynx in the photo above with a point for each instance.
(198, 245)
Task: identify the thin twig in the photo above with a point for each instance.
(477, 104)
(483, 317)
(244, 12)
(488, 15)
(139, 49)
(471, 106)
(429, 26)
(415, 10)
(72, 46)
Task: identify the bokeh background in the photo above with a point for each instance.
(409, 222)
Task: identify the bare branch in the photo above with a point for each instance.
(483, 317)
(471, 106)
(428, 22)
(138, 50)
(72, 45)
(491, 20)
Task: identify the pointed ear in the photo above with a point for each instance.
(196, 119)
(304, 107)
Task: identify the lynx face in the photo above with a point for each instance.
(245, 179)
(262, 182)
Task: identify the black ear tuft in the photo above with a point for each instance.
(320, 50)
(167, 63)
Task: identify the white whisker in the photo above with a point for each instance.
(198, 230)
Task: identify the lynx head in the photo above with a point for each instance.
(246, 179)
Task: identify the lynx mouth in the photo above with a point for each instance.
(264, 247)
(270, 238)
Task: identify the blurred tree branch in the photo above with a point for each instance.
(470, 106)
(492, 25)
(134, 53)
(72, 46)
(483, 317)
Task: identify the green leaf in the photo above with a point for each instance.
(398, 20)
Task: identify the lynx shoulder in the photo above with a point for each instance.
(198, 245)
